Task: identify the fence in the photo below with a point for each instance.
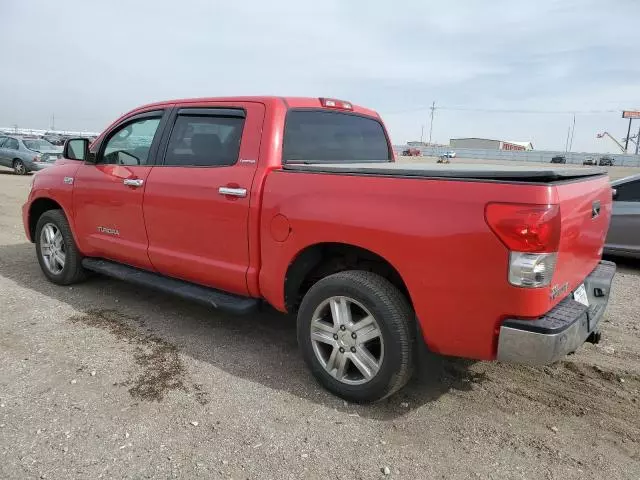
(540, 156)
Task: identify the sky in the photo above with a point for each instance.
(504, 69)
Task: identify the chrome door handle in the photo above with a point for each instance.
(133, 182)
(234, 192)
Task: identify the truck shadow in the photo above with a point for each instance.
(260, 348)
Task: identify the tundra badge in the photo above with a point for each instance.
(109, 231)
(558, 290)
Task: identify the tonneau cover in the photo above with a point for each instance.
(536, 173)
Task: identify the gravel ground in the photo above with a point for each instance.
(105, 380)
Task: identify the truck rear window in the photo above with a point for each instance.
(323, 136)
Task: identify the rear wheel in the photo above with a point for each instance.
(19, 167)
(356, 334)
(57, 252)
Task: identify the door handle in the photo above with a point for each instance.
(233, 192)
(133, 182)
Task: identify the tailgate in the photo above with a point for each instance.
(585, 210)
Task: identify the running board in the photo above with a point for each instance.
(227, 302)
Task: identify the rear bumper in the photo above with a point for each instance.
(562, 330)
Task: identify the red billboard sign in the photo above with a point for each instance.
(631, 114)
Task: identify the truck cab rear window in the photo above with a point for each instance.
(323, 136)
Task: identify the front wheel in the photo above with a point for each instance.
(19, 168)
(57, 252)
(355, 330)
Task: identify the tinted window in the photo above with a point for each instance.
(331, 136)
(130, 144)
(628, 192)
(204, 141)
(11, 143)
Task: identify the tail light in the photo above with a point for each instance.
(532, 235)
(333, 103)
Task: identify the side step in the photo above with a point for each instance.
(227, 302)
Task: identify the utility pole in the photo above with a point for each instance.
(626, 143)
(637, 141)
(573, 131)
(53, 121)
(433, 109)
(422, 134)
(566, 144)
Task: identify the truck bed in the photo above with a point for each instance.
(461, 171)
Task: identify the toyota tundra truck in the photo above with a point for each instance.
(298, 203)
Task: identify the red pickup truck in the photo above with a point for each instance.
(298, 202)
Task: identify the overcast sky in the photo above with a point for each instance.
(88, 61)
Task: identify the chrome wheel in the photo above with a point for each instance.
(347, 340)
(52, 248)
(19, 167)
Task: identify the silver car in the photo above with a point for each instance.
(26, 155)
(624, 233)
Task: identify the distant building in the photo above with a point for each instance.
(416, 143)
(489, 144)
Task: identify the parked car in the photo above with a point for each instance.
(589, 161)
(559, 159)
(606, 161)
(25, 155)
(450, 154)
(223, 202)
(411, 152)
(624, 231)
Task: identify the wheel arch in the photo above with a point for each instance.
(37, 208)
(319, 260)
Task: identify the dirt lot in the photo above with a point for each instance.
(104, 380)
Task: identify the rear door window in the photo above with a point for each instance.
(205, 138)
(324, 136)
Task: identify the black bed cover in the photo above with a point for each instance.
(522, 173)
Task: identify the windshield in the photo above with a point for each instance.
(323, 136)
(38, 144)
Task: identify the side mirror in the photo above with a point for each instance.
(76, 149)
(614, 193)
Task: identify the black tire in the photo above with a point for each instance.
(19, 167)
(395, 319)
(72, 272)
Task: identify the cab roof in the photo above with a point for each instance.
(289, 102)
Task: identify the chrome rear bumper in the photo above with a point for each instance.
(562, 330)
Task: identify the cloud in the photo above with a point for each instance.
(87, 62)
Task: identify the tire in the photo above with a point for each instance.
(19, 167)
(71, 271)
(367, 294)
